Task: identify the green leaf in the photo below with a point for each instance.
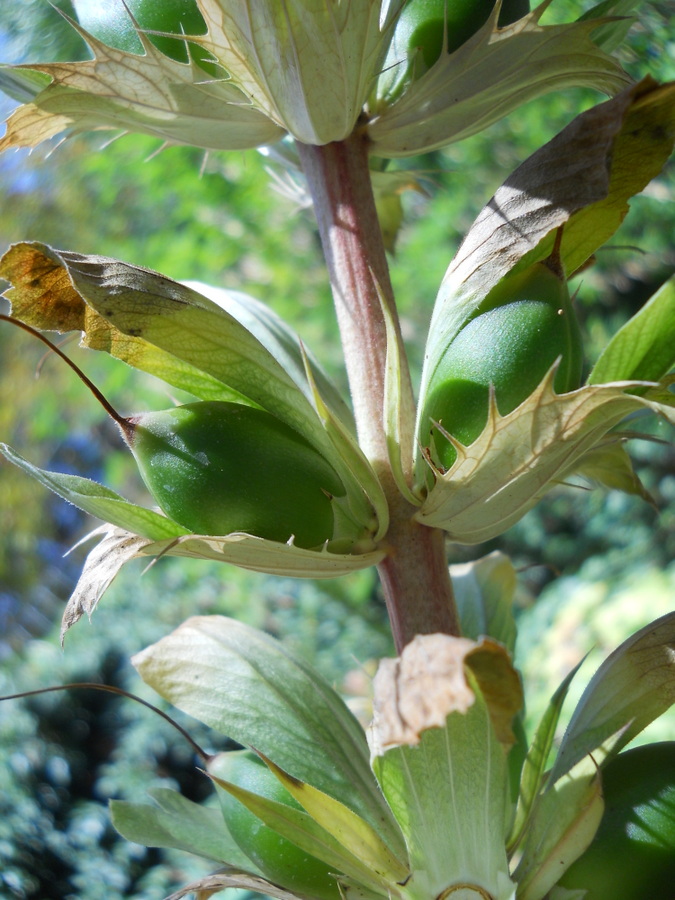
(610, 465)
(450, 796)
(280, 340)
(100, 501)
(611, 34)
(644, 349)
(21, 85)
(634, 686)
(564, 824)
(248, 686)
(178, 823)
(368, 501)
(484, 595)
(534, 767)
(399, 408)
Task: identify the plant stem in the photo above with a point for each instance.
(339, 181)
(414, 574)
(415, 577)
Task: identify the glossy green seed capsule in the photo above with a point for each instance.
(110, 23)
(632, 856)
(524, 325)
(217, 467)
(281, 861)
(419, 32)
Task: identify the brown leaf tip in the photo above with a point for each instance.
(419, 690)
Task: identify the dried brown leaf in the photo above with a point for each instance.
(434, 677)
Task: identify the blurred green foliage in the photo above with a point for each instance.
(218, 219)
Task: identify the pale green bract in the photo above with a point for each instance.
(450, 794)
(310, 70)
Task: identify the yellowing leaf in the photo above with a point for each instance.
(500, 685)
(639, 152)
(196, 344)
(350, 830)
(305, 832)
(60, 291)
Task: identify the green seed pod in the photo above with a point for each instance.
(525, 323)
(419, 32)
(282, 862)
(632, 856)
(110, 23)
(217, 467)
